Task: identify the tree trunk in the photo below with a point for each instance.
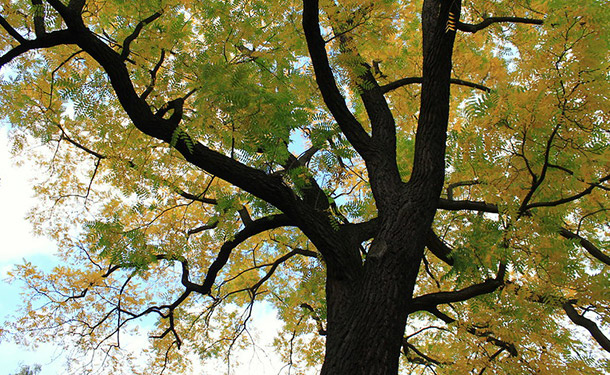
(367, 318)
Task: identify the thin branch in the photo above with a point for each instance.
(136, 33)
(470, 28)
(153, 76)
(279, 261)
(407, 346)
(210, 225)
(321, 330)
(411, 80)
(199, 198)
(509, 347)
(65, 136)
(574, 197)
(257, 226)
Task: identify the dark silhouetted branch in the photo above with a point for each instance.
(136, 32)
(470, 28)
(428, 301)
(12, 32)
(592, 249)
(411, 80)
(588, 324)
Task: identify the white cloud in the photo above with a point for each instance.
(16, 198)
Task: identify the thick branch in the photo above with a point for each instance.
(38, 8)
(449, 205)
(52, 39)
(335, 102)
(411, 80)
(590, 325)
(252, 180)
(592, 249)
(470, 28)
(439, 248)
(428, 301)
(12, 32)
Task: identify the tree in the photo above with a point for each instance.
(394, 177)
(29, 370)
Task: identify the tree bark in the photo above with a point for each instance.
(367, 316)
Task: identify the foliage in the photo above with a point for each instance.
(29, 370)
(192, 162)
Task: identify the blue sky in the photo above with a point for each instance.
(18, 243)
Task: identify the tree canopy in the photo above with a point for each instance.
(414, 186)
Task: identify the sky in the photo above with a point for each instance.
(18, 243)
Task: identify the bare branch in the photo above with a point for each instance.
(411, 80)
(470, 28)
(136, 32)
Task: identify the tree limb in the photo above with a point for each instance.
(574, 197)
(12, 32)
(439, 248)
(411, 80)
(136, 32)
(590, 325)
(255, 227)
(590, 247)
(431, 300)
(470, 28)
(39, 27)
(509, 347)
(449, 205)
(51, 39)
(331, 95)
